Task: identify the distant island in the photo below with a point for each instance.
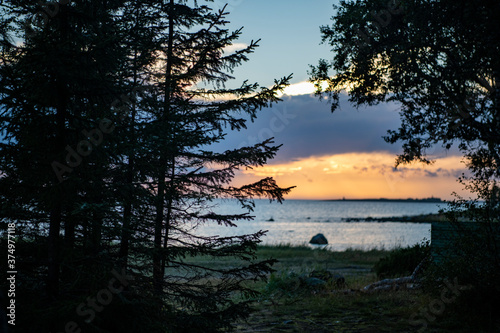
(432, 199)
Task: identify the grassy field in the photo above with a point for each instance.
(287, 305)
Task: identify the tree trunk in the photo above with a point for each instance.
(125, 237)
(55, 215)
(69, 233)
(157, 256)
(53, 252)
(170, 198)
(69, 244)
(127, 211)
(158, 262)
(129, 183)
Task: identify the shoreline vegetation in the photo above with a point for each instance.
(318, 290)
(410, 200)
(424, 218)
(292, 299)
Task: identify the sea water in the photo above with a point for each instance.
(296, 221)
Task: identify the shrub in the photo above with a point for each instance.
(283, 284)
(402, 261)
(473, 260)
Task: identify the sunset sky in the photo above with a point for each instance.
(327, 156)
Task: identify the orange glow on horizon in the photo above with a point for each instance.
(361, 175)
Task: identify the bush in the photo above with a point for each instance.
(134, 310)
(473, 260)
(283, 284)
(402, 261)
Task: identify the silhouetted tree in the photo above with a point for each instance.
(187, 109)
(57, 82)
(108, 113)
(438, 59)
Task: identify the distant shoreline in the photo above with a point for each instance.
(432, 200)
(424, 218)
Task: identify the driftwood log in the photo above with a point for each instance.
(407, 282)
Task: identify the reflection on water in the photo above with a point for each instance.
(296, 221)
(340, 236)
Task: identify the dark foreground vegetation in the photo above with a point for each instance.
(438, 60)
(303, 294)
(109, 113)
(291, 303)
(109, 110)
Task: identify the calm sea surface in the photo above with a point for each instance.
(296, 221)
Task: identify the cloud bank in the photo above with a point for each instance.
(362, 175)
(332, 155)
(306, 127)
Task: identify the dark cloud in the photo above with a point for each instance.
(306, 127)
(403, 171)
(431, 174)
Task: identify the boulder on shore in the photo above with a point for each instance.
(336, 279)
(319, 239)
